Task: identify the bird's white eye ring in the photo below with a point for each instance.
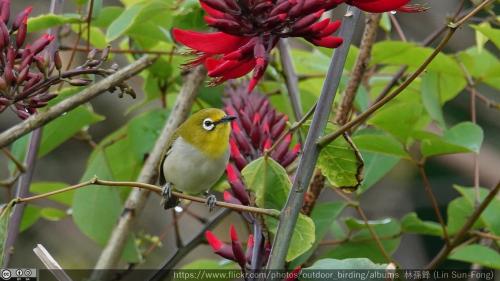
(208, 124)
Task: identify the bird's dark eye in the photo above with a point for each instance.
(208, 124)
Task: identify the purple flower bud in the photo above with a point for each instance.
(239, 255)
(21, 17)
(21, 33)
(5, 11)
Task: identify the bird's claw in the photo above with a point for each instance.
(211, 201)
(166, 193)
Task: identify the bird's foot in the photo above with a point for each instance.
(166, 193)
(211, 201)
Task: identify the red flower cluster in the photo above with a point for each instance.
(256, 128)
(16, 75)
(250, 29)
(234, 251)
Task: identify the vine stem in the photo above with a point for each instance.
(290, 212)
(152, 188)
(452, 28)
(290, 78)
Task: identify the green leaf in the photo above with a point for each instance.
(271, 185)
(122, 23)
(18, 150)
(431, 97)
(97, 208)
(492, 33)
(376, 167)
(413, 55)
(482, 65)
(46, 21)
(107, 16)
(361, 243)
(381, 144)
(340, 162)
(477, 254)
(52, 214)
(399, 119)
(31, 214)
(144, 130)
(491, 215)
(337, 264)
(63, 128)
(64, 198)
(5, 214)
(323, 215)
(413, 224)
(458, 212)
(464, 137)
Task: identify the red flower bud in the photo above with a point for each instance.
(21, 33)
(239, 255)
(218, 247)
(229, 198)
(250, 245)
(5, 11)
(21, 17)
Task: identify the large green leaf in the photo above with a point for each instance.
(5, 213)
(323, 215)
(376, 167)
(398, 118)
(271, 185)
(18, 150)
(97, 208)
(413, 55)
(431, 97)
(361, 244)
(123, 22)
(458, 212)
(64, 198)
(464, 137)
(341, 163)
(31, 214)
(491, 215)
(381, 144)
(337, 264)
(46, 21)
(482, 65)
(492, 33)
(66, 126)
(477, 254)
(413, 224)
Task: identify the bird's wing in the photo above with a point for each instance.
(164, 156)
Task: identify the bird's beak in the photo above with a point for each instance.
(227, 119)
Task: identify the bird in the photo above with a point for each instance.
(196, 156)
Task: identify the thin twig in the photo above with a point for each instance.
(122, 51)
(152, 188)
(89, 21)
(305, 170)
(452, 28)
(20, 166)
(434, 203)
(40, 119)
(50, 263)
(458, 238)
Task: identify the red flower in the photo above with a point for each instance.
(380, 6)
(249, 30)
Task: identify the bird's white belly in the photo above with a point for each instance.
(191, 171)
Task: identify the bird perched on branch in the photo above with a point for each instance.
(196, 156)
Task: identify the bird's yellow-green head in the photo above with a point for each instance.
(208, 130)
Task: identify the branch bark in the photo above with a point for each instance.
(137, 199)
(305, 170)
(38, 120)
(291, 78)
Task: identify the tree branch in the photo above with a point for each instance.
(290, 78)
(290, 212)
(358, 72)
(72, 102)
(137, 199)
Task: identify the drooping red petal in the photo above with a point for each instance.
(211, 43)
(228, 69)
(214, 242)
(378, 6)
(327, 41)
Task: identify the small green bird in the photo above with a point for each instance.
(196, 156)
